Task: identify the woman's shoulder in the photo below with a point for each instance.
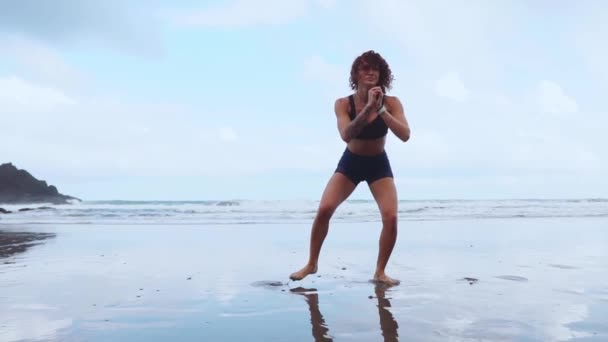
(343, 101)
(344, 98)
(392, 100)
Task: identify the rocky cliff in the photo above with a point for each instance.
(19, 186)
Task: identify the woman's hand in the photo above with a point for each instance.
(374, 98)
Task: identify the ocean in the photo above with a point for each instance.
(294, 211)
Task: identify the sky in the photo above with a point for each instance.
(203, 100)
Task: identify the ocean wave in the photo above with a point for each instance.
(303, 211)
(228, 203)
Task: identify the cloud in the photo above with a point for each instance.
(98, 138)
(552, 99)
(589, 36)
(451, 87)
(127, 25)
(56, 116)
(245, 13)
(94, 136)
(437, 33)
(39, 62)
(333, 78)
(18, 95)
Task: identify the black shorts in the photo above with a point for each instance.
(360, 168)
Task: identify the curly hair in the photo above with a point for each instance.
(376, 61)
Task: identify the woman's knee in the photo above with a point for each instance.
(325, 211)
(389, 218)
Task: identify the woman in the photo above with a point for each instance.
(364, 119)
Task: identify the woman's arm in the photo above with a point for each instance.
(395, 118)
(348, 128)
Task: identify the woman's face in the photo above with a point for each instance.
(368, 75)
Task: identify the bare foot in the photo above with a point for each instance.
(301, 274)
(384, 279)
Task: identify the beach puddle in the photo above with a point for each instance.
(498, 329)
(513, 278)
(268, 284)
(601, 294)
(564, 267)
(570, 291)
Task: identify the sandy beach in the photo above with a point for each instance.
(461, 280)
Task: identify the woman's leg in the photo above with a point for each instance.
(385, 194)
(337, 190)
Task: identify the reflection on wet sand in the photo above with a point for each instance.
(320, 330)
(12, 243)
(388, 324)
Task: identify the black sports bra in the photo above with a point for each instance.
(373, 130)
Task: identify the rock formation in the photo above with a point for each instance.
(20, 187)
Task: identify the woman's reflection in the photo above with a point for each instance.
(388, 324)
(320, 330)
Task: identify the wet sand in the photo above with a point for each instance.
(482, 280)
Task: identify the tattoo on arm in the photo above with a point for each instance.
(355, 127)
